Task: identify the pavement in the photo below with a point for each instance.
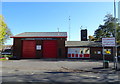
(58, 71)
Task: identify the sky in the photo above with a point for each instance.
(49, 16)
(119, 11)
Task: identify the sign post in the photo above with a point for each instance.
(108, 42)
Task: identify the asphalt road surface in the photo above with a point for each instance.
(58, 71)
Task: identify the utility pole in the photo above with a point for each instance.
(69, 27)
(80, 31)
(115, 57)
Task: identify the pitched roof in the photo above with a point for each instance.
(82, 44)
(40, 34)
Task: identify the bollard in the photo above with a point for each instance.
(105, 64)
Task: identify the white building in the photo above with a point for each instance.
(119, 11)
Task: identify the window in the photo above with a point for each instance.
(7, 50)
(107, 51)
(81, 51)
(97, 52)
(86, 50)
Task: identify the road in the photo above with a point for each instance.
(58, 71)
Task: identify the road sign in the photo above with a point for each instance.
(108, 41)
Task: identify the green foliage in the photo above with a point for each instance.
(4, 31)
(2, 59)
(108, 28)
(92, 38)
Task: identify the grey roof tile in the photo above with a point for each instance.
(41, 34)
(82, 44)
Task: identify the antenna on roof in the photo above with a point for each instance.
(58, 29)
(80, 27)
(69, 27)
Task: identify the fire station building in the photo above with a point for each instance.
(39, 45)
(89, 50)
(55, 45)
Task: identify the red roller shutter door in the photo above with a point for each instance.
(28, 50)
(50, 49)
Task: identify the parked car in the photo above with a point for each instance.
(6, 52)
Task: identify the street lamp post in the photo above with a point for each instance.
(115, 57)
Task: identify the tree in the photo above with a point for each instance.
(91, 38)
(4, 31)
(108, 29)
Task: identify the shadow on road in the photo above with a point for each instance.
(61, 78)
